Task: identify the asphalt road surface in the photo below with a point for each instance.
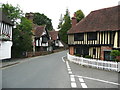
(51, 71)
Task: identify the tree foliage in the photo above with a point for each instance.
(41, 19)
(12, 12)
(60, 22)
(65, 26)
(115, 53)
(22, 37)
(79, 15)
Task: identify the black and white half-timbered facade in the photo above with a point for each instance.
(96, 35)
(41, 39)
(5, 36)
(55, 38)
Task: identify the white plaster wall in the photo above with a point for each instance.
(60, 44)
(5, 49)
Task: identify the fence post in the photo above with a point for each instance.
(118, 66)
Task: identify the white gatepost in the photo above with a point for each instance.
(118, 66)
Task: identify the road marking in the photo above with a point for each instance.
(81, 80)
(97, 80)
(73, 85)
(84, 85)
(70, 72)
(71, 76)
(69, 69)
(72, 79)
(63, 59)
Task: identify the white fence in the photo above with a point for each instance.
(106, 65)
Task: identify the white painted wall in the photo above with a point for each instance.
(60, 44)
(5, 49)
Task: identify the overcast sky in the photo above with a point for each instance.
(54, 8)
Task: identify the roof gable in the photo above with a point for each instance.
(53, 34)
(39, 31)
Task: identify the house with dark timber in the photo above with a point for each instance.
(56, 42)
(5, 36)
(43, 39)
(96, 34)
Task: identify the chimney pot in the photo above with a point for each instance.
(74, 20)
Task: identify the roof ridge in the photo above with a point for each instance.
(105, 8)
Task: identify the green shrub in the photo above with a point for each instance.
(87, 56)
(115, 53)
(78, 55)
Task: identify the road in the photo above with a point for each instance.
(51, 71)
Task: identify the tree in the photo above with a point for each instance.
(12, 12)
(22, 38)
(65, 26)
(22, 35)
(60, 22)
(79, 15)
(41, 19)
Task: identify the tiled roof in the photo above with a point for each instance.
(39, 31)
(53, 34)
(100, 20)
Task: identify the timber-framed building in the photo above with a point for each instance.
(97, 34)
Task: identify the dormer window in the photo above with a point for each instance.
(79, 36)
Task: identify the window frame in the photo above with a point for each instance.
(92, 35)
(79, 37)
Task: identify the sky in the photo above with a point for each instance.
(54, 8)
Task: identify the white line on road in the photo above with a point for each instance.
(63, 59)
(81, 80)
(70, 72)
(69, 69)
(97, 80)
(73, 85)
(71, 76)
(84, 85)
(72, 79)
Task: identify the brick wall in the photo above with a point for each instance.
(118, 57)
(103, 48)
(71, 50)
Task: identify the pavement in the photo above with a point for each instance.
(55, 71)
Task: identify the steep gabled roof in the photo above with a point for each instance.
(39, 31)
(53, 34)
(106, 19)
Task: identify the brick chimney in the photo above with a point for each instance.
(29, 16)
(74, 20)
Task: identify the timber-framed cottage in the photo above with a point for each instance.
(96, 34)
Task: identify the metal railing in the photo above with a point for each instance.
(106, 65)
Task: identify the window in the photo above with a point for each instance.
(79, 36)
(92, 36)
(44, 39)
(82, 50)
